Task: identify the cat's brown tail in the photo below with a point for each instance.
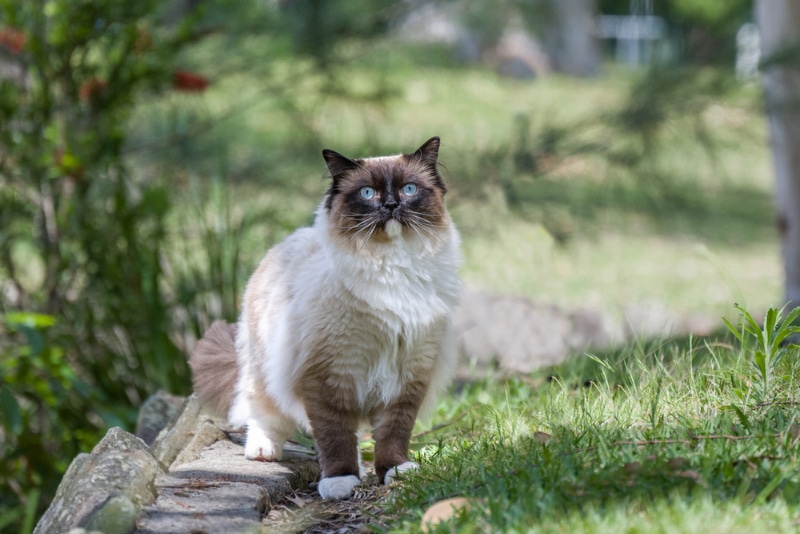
(214, 367)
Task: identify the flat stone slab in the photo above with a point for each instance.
(222, 491)
(226, 507)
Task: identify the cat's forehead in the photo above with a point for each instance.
(388, 168)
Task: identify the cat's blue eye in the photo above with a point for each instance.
(409, 189)
(367, 192)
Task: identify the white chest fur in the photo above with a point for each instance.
(395, 306)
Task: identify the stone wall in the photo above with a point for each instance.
(193, 478)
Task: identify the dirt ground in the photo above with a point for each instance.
(304, 511)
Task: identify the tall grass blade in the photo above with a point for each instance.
(734, 330)
(764, 494)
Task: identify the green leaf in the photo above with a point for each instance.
(31, 320)
(785, 332)
(9, 517)
(749, 325)
(30, 510)
(760, 361)
(776, 358)
(792, 317)
(734, 330)
(741, 415)
(770, 320)
(12, 418)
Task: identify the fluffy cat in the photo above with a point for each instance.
(345, 323)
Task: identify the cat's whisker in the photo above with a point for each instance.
(423, 227)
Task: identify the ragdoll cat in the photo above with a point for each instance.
(345, 323)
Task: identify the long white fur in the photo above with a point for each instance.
(407, 286)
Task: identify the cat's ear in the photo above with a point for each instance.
(428, 153)
(338, 165)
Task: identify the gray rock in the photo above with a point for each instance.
(117, 439)
(205, 436)
(171, 441)
(116, 516)
(104, 490)
(518, 55)
(516, 68)
(156, 413)
(211, 487)
(593, 329)
(230, 507)
(222, 491)
(512, 332)
(516, 334)
(224, 461)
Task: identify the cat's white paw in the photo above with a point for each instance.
(262, 451)
(338, 487)
(261, 448)
(392, 473)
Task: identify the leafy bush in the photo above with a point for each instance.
(85, 332)
(43, 403)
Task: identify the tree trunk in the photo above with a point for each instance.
(571, 40)
(779, 27)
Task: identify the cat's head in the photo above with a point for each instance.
(374, 200)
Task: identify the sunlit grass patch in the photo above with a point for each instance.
(652, 438)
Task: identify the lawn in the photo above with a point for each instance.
(583, 193)
(675, 436)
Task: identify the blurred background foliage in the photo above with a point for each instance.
(151, 151)
(706, 30)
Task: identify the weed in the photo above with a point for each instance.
(765, 345)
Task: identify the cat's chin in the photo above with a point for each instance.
(393, 229)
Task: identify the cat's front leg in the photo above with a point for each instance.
(334, 423)
(264, 442)
(393, 427)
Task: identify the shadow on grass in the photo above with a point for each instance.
(679, 446)
(732, 215)
(633, 362)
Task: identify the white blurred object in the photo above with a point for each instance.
(748, 51)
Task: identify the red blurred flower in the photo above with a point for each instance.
(92, 89)
(13, 39)
(188, 82)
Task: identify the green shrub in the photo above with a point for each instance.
(86, 315)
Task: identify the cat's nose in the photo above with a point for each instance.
(391, 203)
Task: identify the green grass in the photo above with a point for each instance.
(678, 212)
(654, 438)
(561, 196)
